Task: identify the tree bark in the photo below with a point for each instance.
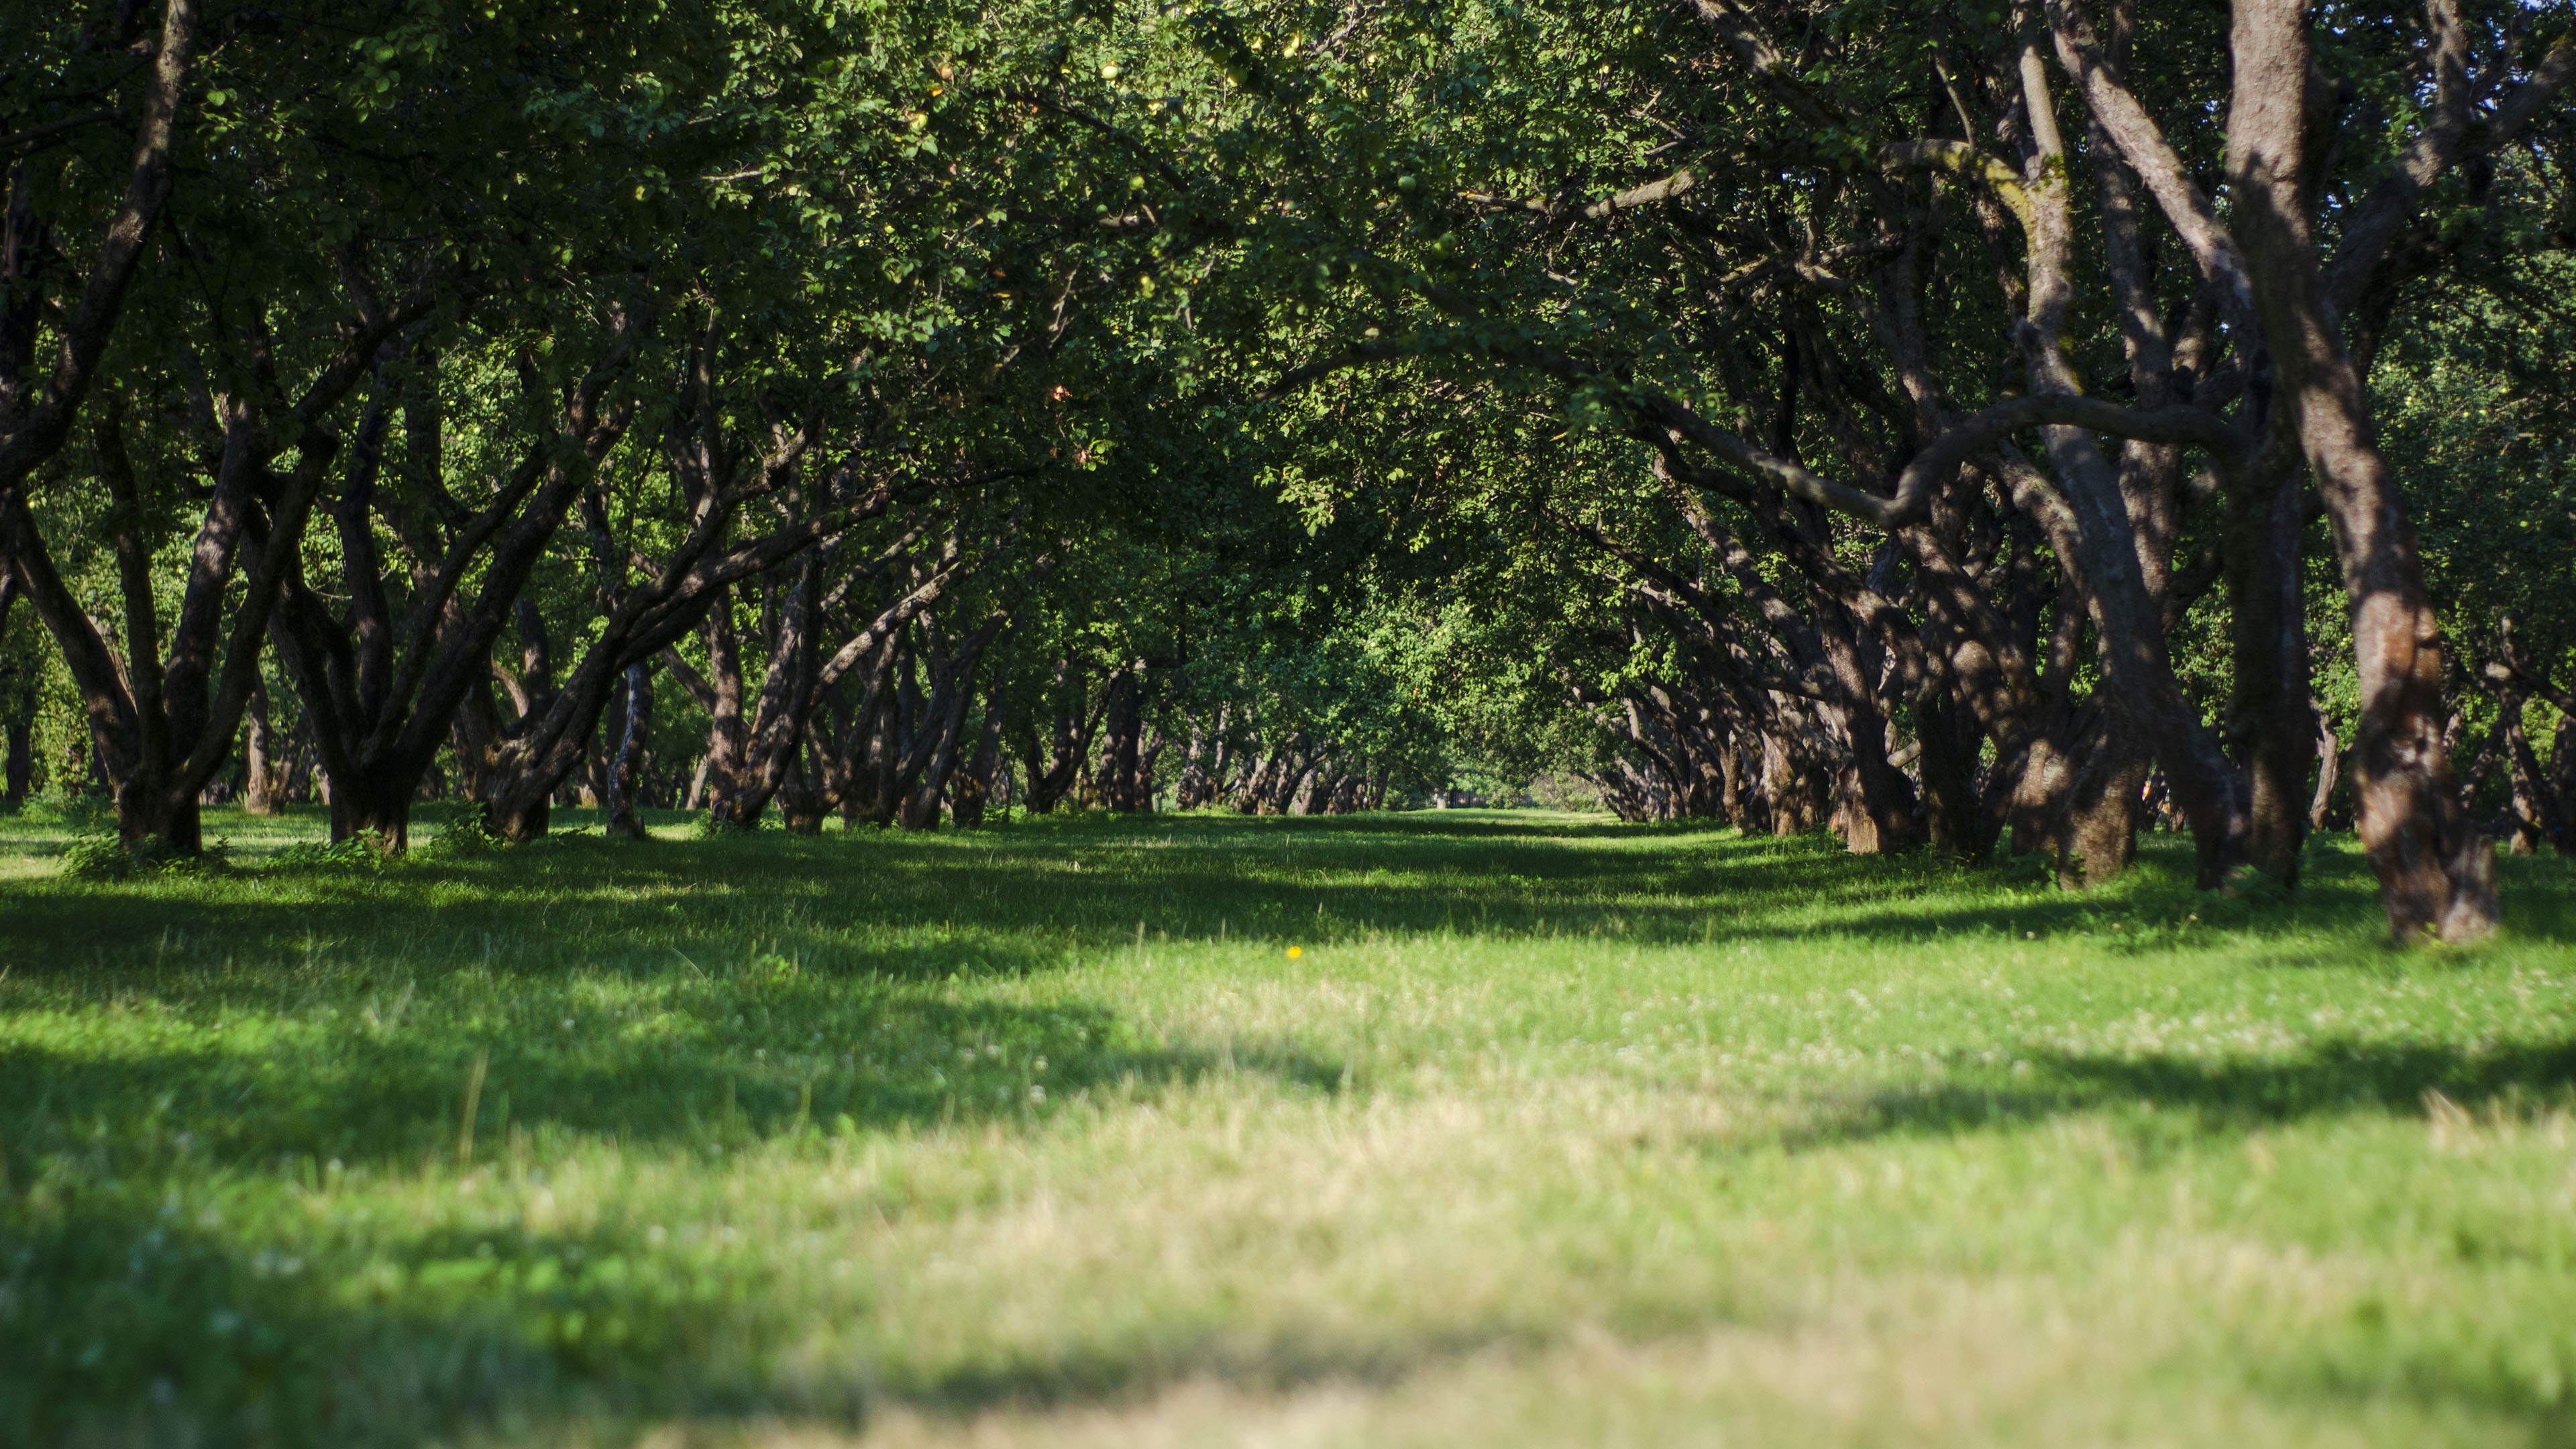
(162, 725)
(2269, 724)
(2096, 834)
(1118, 782)
(799, 678)
(626, 769)
(927, 767)
(1188, 791)
(2534, 820)
(33, 429)
(260, 786)
(725, 728)
(2329, 757)
(385, 694)
(17, 702)
(1070, 745)
(2436, 871)
(2562, 778)
(975, 784)
(2126, 609)
(21, 767)
(373, 810)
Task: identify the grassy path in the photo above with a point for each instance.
(1548, 1130)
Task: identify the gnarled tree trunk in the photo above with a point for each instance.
(626, 768)
(974, 787)
(261, 777)
(2436, 871)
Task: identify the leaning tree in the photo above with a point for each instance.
(1788, 254)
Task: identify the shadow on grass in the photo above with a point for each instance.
(131, 1327)
(131, 1323)
(1415, 824)
(926, 908)
(712, 1064)
(132, 1310)
(2186, 1097)
(1303, 880)
(128, 1325)
(707, 995)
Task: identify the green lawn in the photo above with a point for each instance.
(1552, 1131)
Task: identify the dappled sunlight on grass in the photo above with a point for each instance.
(1043, 1131)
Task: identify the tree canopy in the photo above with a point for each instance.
(1987, 430)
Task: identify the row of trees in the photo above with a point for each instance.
(1955, 426)
(1970, 355)
(457, 371)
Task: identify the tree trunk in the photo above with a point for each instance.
(377, 811)
(260, 782)
(2562, 776)
(975, 784)
(1050, 780)
(726, 733)
(2098, 839)
(17, 704)
(1734, 799)
(924, 773)
(1245, 798)
(36, 433)
(476, 736)
(921, 801)
(872, 799)
(1186, 791)
(520, 813)
(162, 725)
(2269, 723)
(627, 768)
(1119, 759)
(1220, 759)
(1947, 759)
(802, 798)
(1291, 778)
(1301, 794)
(1148, 754)
(2120, 572)
(154, 813)
(1798, 801)
(2436, 871)
(21, 767)
(934, 757)
(1878, 803)
(2329, 755)
(2532, 818)
(301, 771)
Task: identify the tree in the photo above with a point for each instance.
(1834, 221)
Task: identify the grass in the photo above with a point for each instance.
(1554, 1130)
